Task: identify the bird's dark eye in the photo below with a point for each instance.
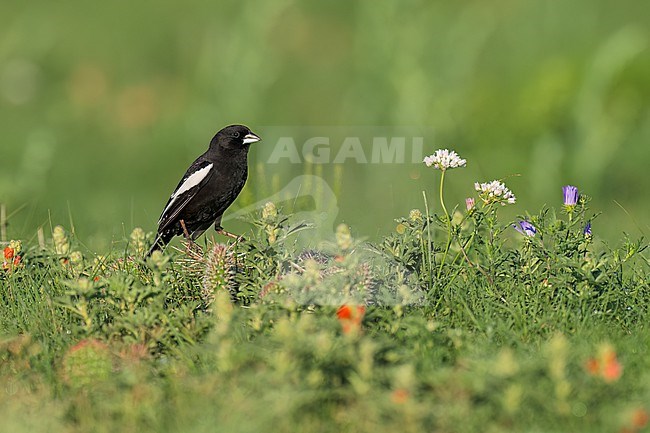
(235, 134)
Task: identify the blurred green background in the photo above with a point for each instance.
(103, 105)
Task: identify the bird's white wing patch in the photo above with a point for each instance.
(193, 180)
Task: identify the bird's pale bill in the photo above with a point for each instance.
(251, 138)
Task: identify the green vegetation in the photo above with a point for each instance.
(451, 323)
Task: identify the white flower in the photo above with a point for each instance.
(495, 192)
(442, 159)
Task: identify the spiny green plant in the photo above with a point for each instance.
(213, 270)
(88, 363)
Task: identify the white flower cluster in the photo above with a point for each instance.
(443, 159)
(495, 192)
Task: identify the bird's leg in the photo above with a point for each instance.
(220, 230)
(188, 237)
(185, 232)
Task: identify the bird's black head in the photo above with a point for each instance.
(234, 137)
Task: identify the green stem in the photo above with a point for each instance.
(461, 252)
(442, 200)
(430, 253)
(448, 220)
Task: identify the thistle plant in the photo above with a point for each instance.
(213, 270)
(219, 269)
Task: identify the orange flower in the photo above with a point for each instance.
(350, 317)
(11, 261)
(592, 366)
(606, 366)
(640, 418)
(612, 369)
(399, 396)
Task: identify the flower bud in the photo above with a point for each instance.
(269, 211)
(61, 244)
(343, 237)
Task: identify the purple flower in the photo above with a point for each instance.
(570, 195)
(587, 230)
(470, 203)
(525, 228)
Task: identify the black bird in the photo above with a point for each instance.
(208, 187)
